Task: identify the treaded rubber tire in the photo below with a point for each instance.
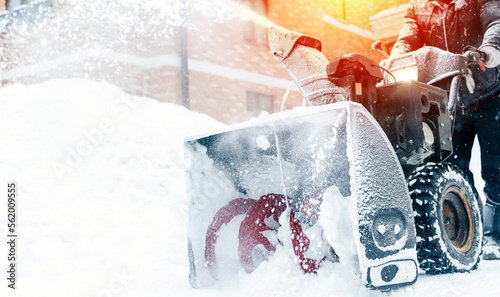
(440, 194)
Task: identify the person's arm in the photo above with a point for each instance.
(410, 36)
(490, 18)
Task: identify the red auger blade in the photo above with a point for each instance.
(234, 208)
(250, 235)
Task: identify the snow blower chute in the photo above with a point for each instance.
(330, 182)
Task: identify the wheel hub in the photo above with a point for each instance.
(457, 219)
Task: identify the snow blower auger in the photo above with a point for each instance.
(355, 178)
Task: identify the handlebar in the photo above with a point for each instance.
(475, 56)
(435, 65)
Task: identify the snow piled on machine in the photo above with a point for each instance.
(103, 208)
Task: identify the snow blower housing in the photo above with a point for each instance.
(358, 178)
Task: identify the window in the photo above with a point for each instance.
(339, 9)
(254, 29)
(13, 4)
(258, 102)
(29, 11)
(249, 34)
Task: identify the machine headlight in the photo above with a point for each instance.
(407, 73)
(389, 230)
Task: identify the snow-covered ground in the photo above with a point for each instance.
(102, 209)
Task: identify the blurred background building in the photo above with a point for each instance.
(210, 56)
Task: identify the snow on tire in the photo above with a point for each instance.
(447, 219)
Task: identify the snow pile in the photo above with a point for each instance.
(102, 191)
(103, 210)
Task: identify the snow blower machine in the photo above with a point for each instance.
(358, 177)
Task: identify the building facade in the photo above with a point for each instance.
(212, 59)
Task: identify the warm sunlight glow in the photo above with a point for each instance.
(407, 73)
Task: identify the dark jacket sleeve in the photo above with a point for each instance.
(490, 19)
(488, 81)
(410, 36)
